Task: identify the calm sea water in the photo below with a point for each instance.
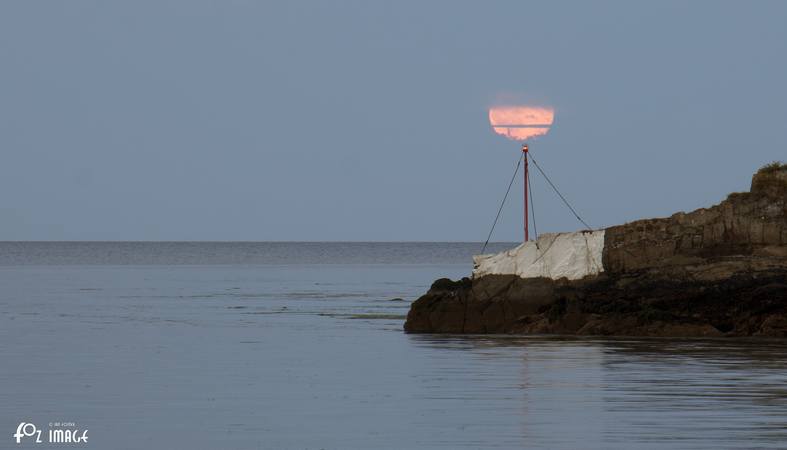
(300, 346)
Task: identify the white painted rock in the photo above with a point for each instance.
(554, 255)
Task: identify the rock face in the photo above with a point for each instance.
(720, 271)
(555, 255)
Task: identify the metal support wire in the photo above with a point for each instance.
(518, 163)
(559, 194)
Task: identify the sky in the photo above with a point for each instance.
(368, 120)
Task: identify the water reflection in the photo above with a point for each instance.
(632, 393)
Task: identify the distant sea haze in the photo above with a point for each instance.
(194, 253)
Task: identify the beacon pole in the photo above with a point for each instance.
(527, 175)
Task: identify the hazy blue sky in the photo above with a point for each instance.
(366, 120)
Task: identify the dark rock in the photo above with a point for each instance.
(446, 284)
(720, 271)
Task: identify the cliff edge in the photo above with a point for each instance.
(718, 271)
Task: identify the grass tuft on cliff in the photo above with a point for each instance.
(774, 166)
(769, 180)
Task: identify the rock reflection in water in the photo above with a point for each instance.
(629, 393)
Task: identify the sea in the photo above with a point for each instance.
(299, 345)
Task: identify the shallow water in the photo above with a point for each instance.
(255, 345)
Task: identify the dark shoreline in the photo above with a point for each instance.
(718, 271)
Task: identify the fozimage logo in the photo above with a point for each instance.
(58, 433)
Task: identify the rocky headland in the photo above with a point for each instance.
(718, 271)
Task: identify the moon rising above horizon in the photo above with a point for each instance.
(520, 123)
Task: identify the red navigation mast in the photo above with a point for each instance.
(527, 182)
